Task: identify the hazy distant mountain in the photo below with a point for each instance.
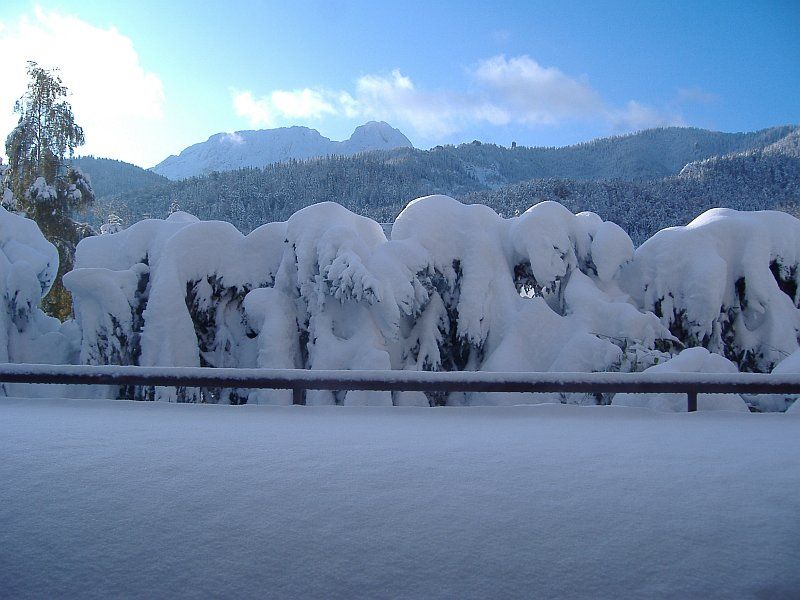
(229, 151)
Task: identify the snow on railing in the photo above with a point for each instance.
(299, 380)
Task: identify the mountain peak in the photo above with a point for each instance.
(376, 135)
(257, 148)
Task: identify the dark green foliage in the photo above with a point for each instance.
(786, 278)
(207, 300)
(457, 353)
(524, 280)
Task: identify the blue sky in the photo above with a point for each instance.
(149, 78)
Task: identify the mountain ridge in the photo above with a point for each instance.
(260, 147)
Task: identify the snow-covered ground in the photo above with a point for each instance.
(112, 498)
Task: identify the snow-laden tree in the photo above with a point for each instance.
(195, 315)
(728, 282)
(7, 200)
(110, 288)
(46, 188)
(113, 224)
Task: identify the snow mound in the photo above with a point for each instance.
(691, 360)
(776, 402)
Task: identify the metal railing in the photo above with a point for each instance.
(300, 380)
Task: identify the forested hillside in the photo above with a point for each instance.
(111, 178)
(755, 180)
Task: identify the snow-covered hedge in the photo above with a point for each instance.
(457, 287)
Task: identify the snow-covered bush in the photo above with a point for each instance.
(28, 267)
(779, 402)
(169, 292)
(522, 294)
(110, 287)
(728, 282)
(336, 302)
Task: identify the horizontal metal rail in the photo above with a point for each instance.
(299, 380)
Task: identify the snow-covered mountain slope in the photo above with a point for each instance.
(256, 148)
(789, 145)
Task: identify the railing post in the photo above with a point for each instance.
(691, 397)
(297, 395)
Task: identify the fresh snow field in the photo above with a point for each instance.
(104, 499)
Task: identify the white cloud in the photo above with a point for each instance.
(258, 112)
(282, 105)
(535, 94)
(433, 113)
(306, 103)
(639, 116)
(502, 91)
(348, 105)
(500, 36)
(117, 102)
